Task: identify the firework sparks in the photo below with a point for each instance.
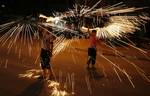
(54, 87)
(117, 26)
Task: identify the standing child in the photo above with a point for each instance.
(46, 54)
(92, 49)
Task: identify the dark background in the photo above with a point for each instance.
(27, 7)
(48, 6)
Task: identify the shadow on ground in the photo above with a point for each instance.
(94, 74)
(34, 89)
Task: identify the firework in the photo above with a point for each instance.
(111, 22)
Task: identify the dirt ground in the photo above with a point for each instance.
(113, 75)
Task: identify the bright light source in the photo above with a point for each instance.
(3, 6)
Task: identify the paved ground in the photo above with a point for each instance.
(72, 75)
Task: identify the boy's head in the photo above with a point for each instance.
(93, 32)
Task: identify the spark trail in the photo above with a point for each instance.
(118, 21)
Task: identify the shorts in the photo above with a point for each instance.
(92, 52)
(92, 56)
(45, 59)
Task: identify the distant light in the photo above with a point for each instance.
(3, 6)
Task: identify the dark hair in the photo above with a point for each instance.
(94, 31)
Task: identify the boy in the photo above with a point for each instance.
(46, 54)
(92, 49)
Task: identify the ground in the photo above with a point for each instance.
(72, 74)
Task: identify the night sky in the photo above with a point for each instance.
(48, 6)
(31, 6)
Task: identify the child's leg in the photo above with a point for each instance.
(89, 56)
(44, 73)
(93, 60)
(51, 75)
(89, 60)
(94, 57)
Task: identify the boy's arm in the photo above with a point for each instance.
(100, 42)
(51, 45)
(51, 49)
